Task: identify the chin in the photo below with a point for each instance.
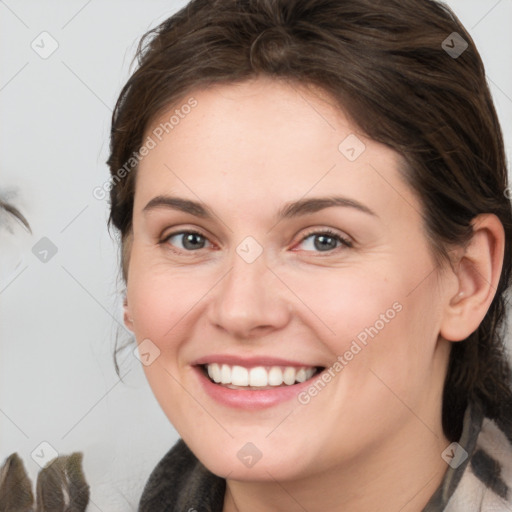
(250, 464)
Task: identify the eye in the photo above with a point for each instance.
(190, 240)
(321, 241)
(325, 241)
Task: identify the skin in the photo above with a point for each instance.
(372, 438)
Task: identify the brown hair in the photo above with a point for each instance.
(385, 64)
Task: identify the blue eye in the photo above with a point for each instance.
(326, 240)
(190, 240)
(322, 241)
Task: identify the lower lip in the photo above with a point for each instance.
(249, 399)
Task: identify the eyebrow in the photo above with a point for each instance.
(289, 210)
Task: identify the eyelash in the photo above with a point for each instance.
(331, 234)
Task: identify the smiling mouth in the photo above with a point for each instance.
(258, 377)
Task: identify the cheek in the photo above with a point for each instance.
(159, 304)
(162, 305)
(149, 295)
(342, 303)
(372, 320)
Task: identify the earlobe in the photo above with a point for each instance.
(478, 272)
(127, 319)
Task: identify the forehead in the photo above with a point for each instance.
(252, 114)
(264, 138)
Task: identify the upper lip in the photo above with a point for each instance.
(250, 362)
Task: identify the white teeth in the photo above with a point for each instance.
(225, 374)
(258, 376)
(275, 376)
(214, 372)
(239, 376)
(301, 375)
(289, 375)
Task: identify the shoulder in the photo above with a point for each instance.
(180, 482)
(480, 474)
(487, 480)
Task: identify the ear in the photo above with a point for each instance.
(127, 318)
(478, 272)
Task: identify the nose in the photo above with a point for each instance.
(250, 300)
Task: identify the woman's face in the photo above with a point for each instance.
(260, 171)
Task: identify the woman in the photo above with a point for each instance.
(316, 245)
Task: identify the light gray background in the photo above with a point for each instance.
(58, 319)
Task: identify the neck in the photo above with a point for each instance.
(402, 475)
